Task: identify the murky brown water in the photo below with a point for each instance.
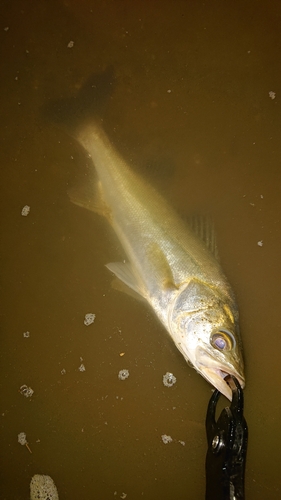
(192, 106)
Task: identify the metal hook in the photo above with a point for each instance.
(227, 446)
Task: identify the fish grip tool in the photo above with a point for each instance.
(227, 447)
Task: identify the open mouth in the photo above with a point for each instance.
(216, 370)
(224, 374)
(216, 376)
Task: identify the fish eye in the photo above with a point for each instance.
(223, 340)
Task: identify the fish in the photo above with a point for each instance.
(171, 264)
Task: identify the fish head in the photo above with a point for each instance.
(204, 325)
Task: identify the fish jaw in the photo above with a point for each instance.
(200, 314)
(215, 371)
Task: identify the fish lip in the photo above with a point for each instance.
(215, 371)
(216, 377)
(223, 374)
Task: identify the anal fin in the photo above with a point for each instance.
(89, 195)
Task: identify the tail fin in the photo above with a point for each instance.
(71, 113)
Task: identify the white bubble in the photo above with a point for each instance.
(26, 334)
(25, 211)
(260, 243)
(70, 44)
(26, 391)
(43, 488)
(89, 319)
(123, 374)
(22, 438)
(169, 379)
(166, 439)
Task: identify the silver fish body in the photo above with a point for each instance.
(167, 263)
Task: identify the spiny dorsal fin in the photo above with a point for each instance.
(203, 227)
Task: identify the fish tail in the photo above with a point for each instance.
(74, 112)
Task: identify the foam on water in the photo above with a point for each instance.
(43, 488)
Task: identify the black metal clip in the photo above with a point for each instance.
(227, 446)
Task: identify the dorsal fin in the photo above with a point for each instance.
(203, 227)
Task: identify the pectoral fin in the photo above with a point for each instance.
(161, 265)
(120, 286)
(123, 271)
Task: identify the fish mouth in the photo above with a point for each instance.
(216, 372)
(216, 376)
